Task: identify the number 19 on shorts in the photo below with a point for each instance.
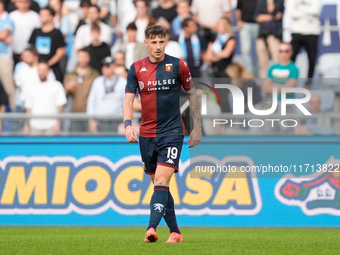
(172, 152)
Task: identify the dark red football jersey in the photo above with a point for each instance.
(159, 85)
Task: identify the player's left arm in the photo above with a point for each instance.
(194, 103)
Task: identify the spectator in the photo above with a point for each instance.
(84, 14)
(283, 74)
(106, 97)
(165, 13)
(143, 19)
(61, 20)
(123, 15)
(244, 79)
(305, 29)
(98, 50)
(134, 50)
(6, 61)
(44, 98)
(249, 30)
(83, 37)
(28, 76)
(193, 46)
(104, 6)
(49, 42)
(78, 84)
(220, 53)
(3, 103)
(172, 48)
(25, 21)
(34, 6)
(120, 64)
(183, 10)
(207, 14)
(269, 15)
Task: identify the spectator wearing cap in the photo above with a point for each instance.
(6, 61)
(98, 50)
(25, 21)
(77, 85)
(49, 42)
(143, 19)
(134, 50)
(83, 36)
(106, 97)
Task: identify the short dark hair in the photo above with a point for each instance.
(49, 9)
(185, 22)
(85, 3)
(95, 27)
(155, 30)
(96, 6)
(32, 49)
(145, 1)
(84, 50)
(131, 26)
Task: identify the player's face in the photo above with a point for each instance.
(43, 70)
(156, 47)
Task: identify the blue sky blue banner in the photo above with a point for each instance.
(100, 181)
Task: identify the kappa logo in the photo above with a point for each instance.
(317, 193)
(143, 70)
(170, 161)
(141, 85)
(158, 207)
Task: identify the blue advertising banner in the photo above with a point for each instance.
(100, 181)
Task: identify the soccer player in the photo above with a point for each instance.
(159, 79)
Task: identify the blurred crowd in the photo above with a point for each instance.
(74, 56)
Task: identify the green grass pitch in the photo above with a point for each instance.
(109, 240)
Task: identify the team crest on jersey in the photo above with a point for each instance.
(168, 67)
(317, 193)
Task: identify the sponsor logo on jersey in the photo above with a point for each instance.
(168, 67)
(141, 85)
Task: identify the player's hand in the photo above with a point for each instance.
(131, 134)
(195, 137)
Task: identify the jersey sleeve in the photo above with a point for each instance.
(132, 83)
(185, 76)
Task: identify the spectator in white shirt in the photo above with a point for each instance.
(25, 21)
(106, 97)
(172, 48)
(28, 76)
(83, 37)
(45, 98)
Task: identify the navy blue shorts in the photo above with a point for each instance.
(165, 151)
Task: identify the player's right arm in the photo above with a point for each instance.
(130, 93)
